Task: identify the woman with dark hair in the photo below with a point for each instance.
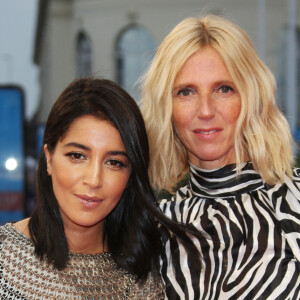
(94, 231)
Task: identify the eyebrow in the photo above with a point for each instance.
(192, 84)
(77, 145)
(118, 153)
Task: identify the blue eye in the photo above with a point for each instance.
(225, 89)
(186, 92)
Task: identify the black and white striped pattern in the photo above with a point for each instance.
(252, 250)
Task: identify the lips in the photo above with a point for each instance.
(89, 201)
(89, 198)
(208, 133)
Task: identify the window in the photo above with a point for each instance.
(134, 50)
(84, 55)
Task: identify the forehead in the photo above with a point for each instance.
(92, 130)
(205, 63)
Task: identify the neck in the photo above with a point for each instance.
(85, 240)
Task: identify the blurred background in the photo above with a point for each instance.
(46, 44)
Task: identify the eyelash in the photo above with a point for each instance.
(73, 155)
(227, 87)
(116, 163)
(112, 162)
(185, 90)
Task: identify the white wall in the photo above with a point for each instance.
(103, 21)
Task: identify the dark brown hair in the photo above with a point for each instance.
(131, 229)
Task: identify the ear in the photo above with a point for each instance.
(48, 159)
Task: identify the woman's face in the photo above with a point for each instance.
(206, 106)
(90, 170)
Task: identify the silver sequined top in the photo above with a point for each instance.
(86, 276)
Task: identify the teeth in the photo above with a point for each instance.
(208, 132)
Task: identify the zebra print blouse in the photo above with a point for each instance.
(252, 248)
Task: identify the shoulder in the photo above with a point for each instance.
(296, 178)
(293, 184)
(286, 202)
(180, 195)
(6, 236)
(285, 199)
(179, 205)
(3, 234)
(22, 227)
(6, 231)
(296, 174)
(152, 288)
(14, 235)
(289, 188)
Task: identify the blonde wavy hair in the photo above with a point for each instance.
(262, 134)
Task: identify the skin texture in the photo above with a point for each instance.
(206, 106)
(90, 170)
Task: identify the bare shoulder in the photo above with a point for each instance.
(22, 227)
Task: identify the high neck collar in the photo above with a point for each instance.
(224, 182)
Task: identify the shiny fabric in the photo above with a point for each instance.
(252, 244)
(23, 276)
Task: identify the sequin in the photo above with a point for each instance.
(86, 276)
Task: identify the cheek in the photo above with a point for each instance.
(232, 113)
(117, 185)
(182, 116)
(62, 179)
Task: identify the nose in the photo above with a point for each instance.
(93, 175)
(206, 107)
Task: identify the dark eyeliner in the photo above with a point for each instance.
(73, 154)
(118, 163)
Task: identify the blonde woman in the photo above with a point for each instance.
(209, 107)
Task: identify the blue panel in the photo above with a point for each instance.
(10, 216)
(297, 135)
(39, 137)
(11, 140)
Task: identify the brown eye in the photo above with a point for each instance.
(116, 163)
(75, 156)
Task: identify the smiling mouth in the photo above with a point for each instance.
(207, 132)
